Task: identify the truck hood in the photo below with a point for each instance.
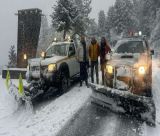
(119, 62)
(127, 59)
(52, 60)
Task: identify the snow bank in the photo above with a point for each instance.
(53, 117)
(150, 131)
(46, 121)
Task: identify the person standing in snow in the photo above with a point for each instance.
(94, 52)
(104, 49)
(82, 57)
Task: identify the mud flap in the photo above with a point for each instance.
(124, 102)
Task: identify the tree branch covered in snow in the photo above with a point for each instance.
(12, 57)
(71, 16)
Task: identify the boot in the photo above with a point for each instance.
(87, 83)
(80, 83)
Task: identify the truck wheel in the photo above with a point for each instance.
(64, 83)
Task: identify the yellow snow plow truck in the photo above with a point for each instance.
(128, 80)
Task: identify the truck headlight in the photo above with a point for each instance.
(109, 69)
(51, 67)
(141, 70)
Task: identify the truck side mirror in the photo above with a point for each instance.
(152, 52)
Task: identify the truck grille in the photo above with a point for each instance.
(35, 68)
(43, 68)
(124, 71)
(123, 74)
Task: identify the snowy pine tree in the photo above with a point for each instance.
(83, 6)
(92, 29)
(82, 21)
(43, 36)
(109, 24)
(64, 16)
(123, 14)
(101, 23)
(120, 20)
(12, 57)
(148, 17)
(157, 3)
(155, 36)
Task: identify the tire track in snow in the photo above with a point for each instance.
(92, 120)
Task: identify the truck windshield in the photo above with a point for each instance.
(59, 50)
(130, 47)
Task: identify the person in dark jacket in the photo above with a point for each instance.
(82, 57)
(104, 49)
(94, 52)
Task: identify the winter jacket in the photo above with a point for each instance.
(80, 54)
(94, 52)
(104, 49)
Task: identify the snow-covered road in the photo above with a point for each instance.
(72, 114)
(47, 119)
(93, 121)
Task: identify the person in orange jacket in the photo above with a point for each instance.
(104, 49)
(94, 52)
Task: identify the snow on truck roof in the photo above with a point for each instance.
(58, 43)
(135, 38)
(132, 39)
(129, 39)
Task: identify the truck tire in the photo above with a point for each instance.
(64, 83)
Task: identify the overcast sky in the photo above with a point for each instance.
(8, 21)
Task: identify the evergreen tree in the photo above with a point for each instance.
(157, 3)
(43, 36)
(145, 12)
(101, 23)
(148, 17)
(121, 18)
(124, 21)
(64, 15)
(83, 6)
(111, 18)
(133, 15)
(12, 57)
(81, 22)
(92, 29)
(155, 36)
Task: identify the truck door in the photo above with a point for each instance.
(73, 63)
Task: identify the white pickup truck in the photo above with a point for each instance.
(57, 67)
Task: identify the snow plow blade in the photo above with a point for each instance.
(30, 93)
(37, 89)
(124, 102)
(21, 100)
